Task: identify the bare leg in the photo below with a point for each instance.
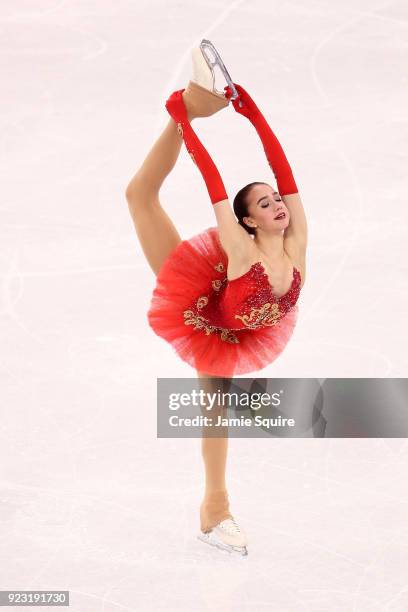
(215, 504)
(156, 232)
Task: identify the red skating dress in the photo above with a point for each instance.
(219, 326)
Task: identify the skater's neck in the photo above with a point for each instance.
(270, 244)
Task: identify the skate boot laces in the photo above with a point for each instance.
(230, 526)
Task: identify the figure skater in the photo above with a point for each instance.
(225, 299)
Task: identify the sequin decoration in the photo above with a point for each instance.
(180, 129)
(202, 301)
(216, 284)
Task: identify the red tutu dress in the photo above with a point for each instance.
(219, 326)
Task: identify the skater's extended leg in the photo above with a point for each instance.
(198, 102)
(156, 232)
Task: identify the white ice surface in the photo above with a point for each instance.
(91, 501)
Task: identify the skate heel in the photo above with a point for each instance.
(201, 102)
(213, 509)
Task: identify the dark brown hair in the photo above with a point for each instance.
(240, 205)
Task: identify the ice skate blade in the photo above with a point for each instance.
(209, 538)
(207, 48)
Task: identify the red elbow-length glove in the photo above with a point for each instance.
(199, 154)
(244, 105)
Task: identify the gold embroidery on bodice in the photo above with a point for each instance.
(200, 322)
(267, 315)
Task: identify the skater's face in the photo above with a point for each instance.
(264, 205)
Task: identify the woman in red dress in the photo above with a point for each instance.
(225, 299)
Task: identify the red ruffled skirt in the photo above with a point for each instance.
(187, 273)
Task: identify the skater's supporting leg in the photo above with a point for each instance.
(215, 505)
(214, 452)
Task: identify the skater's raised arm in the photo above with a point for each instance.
(230, 232)
(245, 106)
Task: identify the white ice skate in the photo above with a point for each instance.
(201, 97)
(227, 535)
(203, 68)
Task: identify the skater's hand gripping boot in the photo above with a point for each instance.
(244, 104)
(198, 153)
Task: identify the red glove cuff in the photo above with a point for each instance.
(203, 161)
(199, 154)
